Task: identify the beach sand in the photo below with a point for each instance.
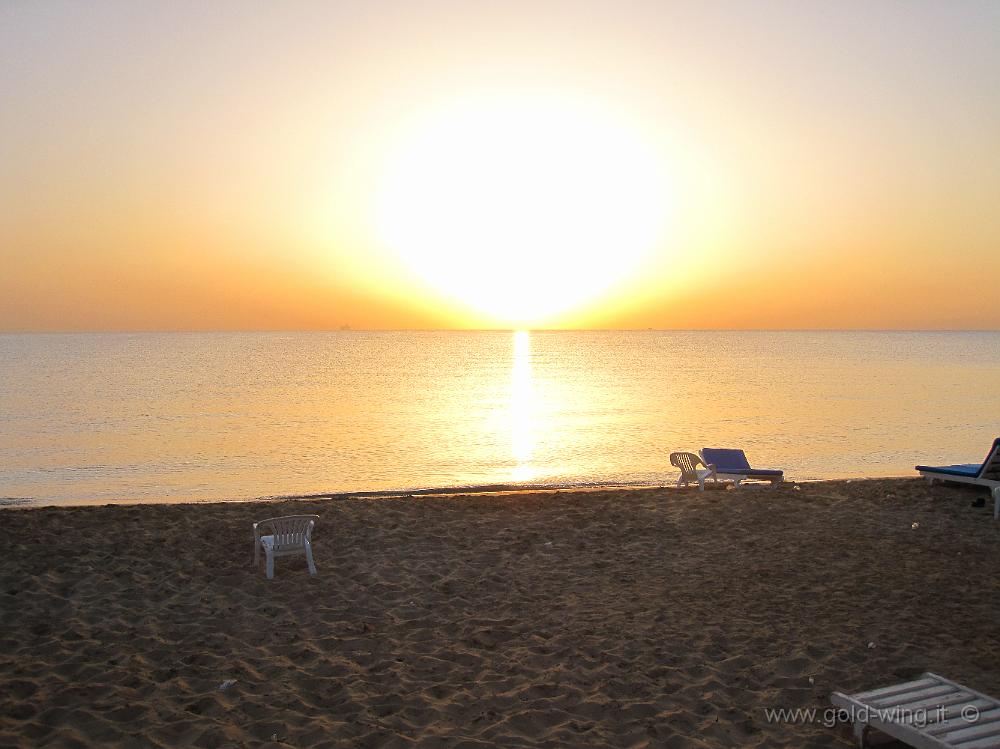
(658, 618)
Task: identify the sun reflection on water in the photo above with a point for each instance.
(522, 409)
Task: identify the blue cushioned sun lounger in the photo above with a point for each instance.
(986, 474)
(732, 465)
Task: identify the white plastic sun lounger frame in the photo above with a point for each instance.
(954, 716)
(289, 535)
(986, 477)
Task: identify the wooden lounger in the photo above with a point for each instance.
(929, 713)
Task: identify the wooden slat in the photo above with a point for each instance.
(938, 690)
(979, 695)
(845, 701)
(895, 689)
(908, 735)
(955, 698)
(991, 742)
(952, 718)
(974, 731)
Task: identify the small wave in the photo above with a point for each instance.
(14, 501)
(473, 489)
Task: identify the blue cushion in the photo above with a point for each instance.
(750, 472)
(968, 470)
(726, 461)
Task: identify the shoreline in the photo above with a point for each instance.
(441, 491)
(639, 617)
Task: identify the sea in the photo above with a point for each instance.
(182, 417)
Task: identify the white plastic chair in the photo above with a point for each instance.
(282, 537)
(688, 464)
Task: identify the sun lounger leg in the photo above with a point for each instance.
(270, 565)
(861, 733)
(309, 558)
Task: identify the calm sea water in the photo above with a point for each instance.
(152, 417)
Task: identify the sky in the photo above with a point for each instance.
(312, 165)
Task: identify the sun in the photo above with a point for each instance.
(522, 207)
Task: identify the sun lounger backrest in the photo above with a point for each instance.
(991, 466)
(724, 460)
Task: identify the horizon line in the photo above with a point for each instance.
(348, 329)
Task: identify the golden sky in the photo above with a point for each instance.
(238, 166)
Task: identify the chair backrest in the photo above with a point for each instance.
(290, 532)
(991, 466)
(725, 459)
(687, 463)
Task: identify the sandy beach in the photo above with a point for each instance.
(657, 618)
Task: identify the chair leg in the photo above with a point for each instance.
(256, 553)
(309, 558)
(996, 503)
(270, 565)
